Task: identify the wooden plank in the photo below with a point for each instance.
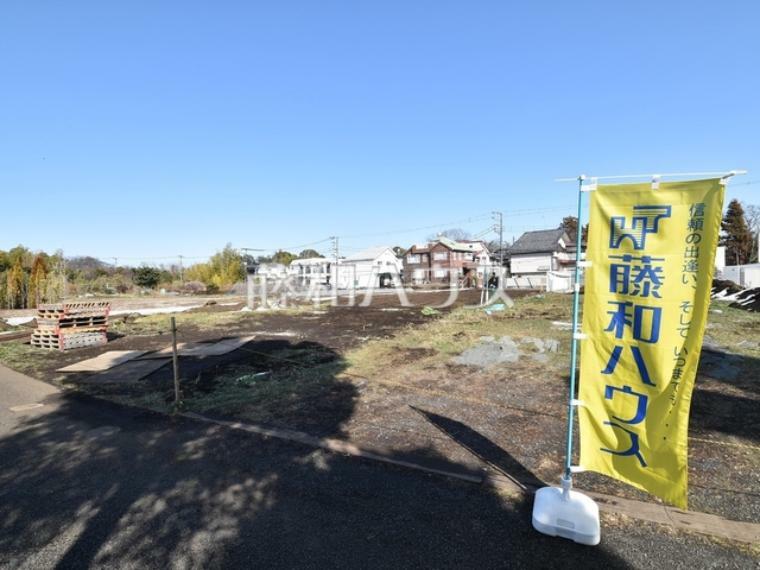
(202, 349)
(102, 362)
(216, 348)
(167, 352)
(13, 335)
(126, 373)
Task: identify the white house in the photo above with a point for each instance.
(538, 252)
(272, 270)
(311, 270)
(373, 267)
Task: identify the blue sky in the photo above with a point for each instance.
(141, 130)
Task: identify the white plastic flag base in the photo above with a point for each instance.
(565, 513)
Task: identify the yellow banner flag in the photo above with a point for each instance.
(646, 297)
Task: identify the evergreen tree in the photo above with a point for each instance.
(736, 235)
(146, 276)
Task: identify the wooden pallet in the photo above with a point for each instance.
(54, 310)
(66, 323)
(57, 341)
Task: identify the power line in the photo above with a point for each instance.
(471, 219)
(477, 217)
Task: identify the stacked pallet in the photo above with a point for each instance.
(64, 326)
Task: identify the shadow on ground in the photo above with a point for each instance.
(95, 484)
(727, 395)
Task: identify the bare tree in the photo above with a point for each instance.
(457, 234)
(752, 215)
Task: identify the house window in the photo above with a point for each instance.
(440, 273)
(412, 258)
(440, 256)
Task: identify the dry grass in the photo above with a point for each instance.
(731, 326)
(160, 324)
(23, 357)
(461, 329)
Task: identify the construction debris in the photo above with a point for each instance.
(64, 326)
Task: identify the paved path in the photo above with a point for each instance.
(87, 484)
(21, 396)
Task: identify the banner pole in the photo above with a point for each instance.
(560, 511)
(574, 341)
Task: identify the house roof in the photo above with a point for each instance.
(310, 261)
(464, 245)
(539, 241)
(369, 253)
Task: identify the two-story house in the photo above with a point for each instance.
(539, 252)
(446, 261)
(416, 264)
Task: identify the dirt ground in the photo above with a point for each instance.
(385, 375)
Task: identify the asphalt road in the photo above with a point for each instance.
(88, 484)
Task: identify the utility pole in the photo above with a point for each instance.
(115, 262)
(181, 270)
(63, 277)
(175, 364)
(499, 219)
(336, 257)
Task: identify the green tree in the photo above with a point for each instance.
(21, 255)
(309, 253)
(284, 257)
(224, 269)
(146, 276)
(736, 234)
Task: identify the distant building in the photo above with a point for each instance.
(445, 260)
(416, 264)
(311, 271)
(271, 270)
(540, 252)
(745, 275)
(372, 267)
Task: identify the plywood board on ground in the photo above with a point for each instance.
(126, 373)
(102, 362)
(202, 349)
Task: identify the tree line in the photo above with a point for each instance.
(28, 278)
